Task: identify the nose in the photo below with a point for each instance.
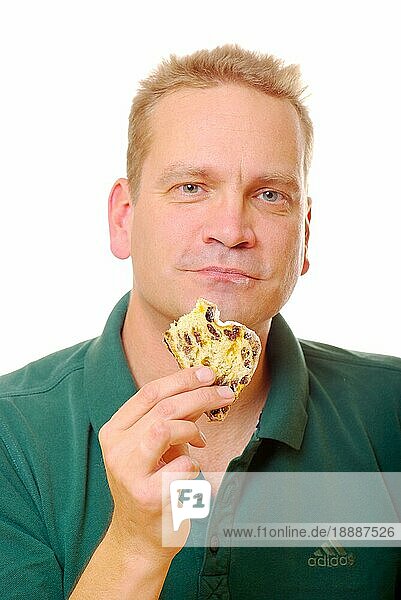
(228, 222)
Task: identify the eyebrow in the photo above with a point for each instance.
(181, 171)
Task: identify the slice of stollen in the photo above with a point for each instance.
(230, 349)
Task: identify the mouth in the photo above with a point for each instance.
(226, 274)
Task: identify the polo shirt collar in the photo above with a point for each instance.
(109, 383)
(107, 377)
(284, 415)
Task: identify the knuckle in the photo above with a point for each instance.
(193, 382)
(185, 378)
(165, 410)
(191, 377)
(206, 394)
(159, 430)
(149, 394)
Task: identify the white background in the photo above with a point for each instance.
(69, 71)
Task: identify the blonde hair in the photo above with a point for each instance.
(208, 68)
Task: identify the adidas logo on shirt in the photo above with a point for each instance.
(331, 554)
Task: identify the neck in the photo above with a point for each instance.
(149, 358)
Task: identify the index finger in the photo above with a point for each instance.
(153, 392)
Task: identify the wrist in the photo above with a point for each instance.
(137, 549)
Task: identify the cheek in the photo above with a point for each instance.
(142, 240)
(283, 245)
(294, 252)
(282, 238)
(155, 237)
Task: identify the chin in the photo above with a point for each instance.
(250, 305)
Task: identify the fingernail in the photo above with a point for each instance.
(204, 374)
(224, 391)
(202, 436)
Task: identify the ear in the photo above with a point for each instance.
(120, 219)
(305, 266)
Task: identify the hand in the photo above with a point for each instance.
(147, 437)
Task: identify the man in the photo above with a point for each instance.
(215, 205)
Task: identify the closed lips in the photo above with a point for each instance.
(232, 271)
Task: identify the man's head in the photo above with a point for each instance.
(216, 178)
(207, 69)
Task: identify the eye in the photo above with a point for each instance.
(271, 196)
(190, 188)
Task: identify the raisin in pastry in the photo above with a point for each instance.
(230, 349)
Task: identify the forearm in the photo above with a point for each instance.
(113, 573)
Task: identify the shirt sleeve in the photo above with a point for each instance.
(29, 568)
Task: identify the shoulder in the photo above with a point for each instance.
(360, 377)
(43, 413)
(44, 374)
(44, 394)
(339, 358)
(358, 396)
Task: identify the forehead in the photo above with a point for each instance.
(228, 123)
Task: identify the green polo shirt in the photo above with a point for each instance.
(328, 409)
